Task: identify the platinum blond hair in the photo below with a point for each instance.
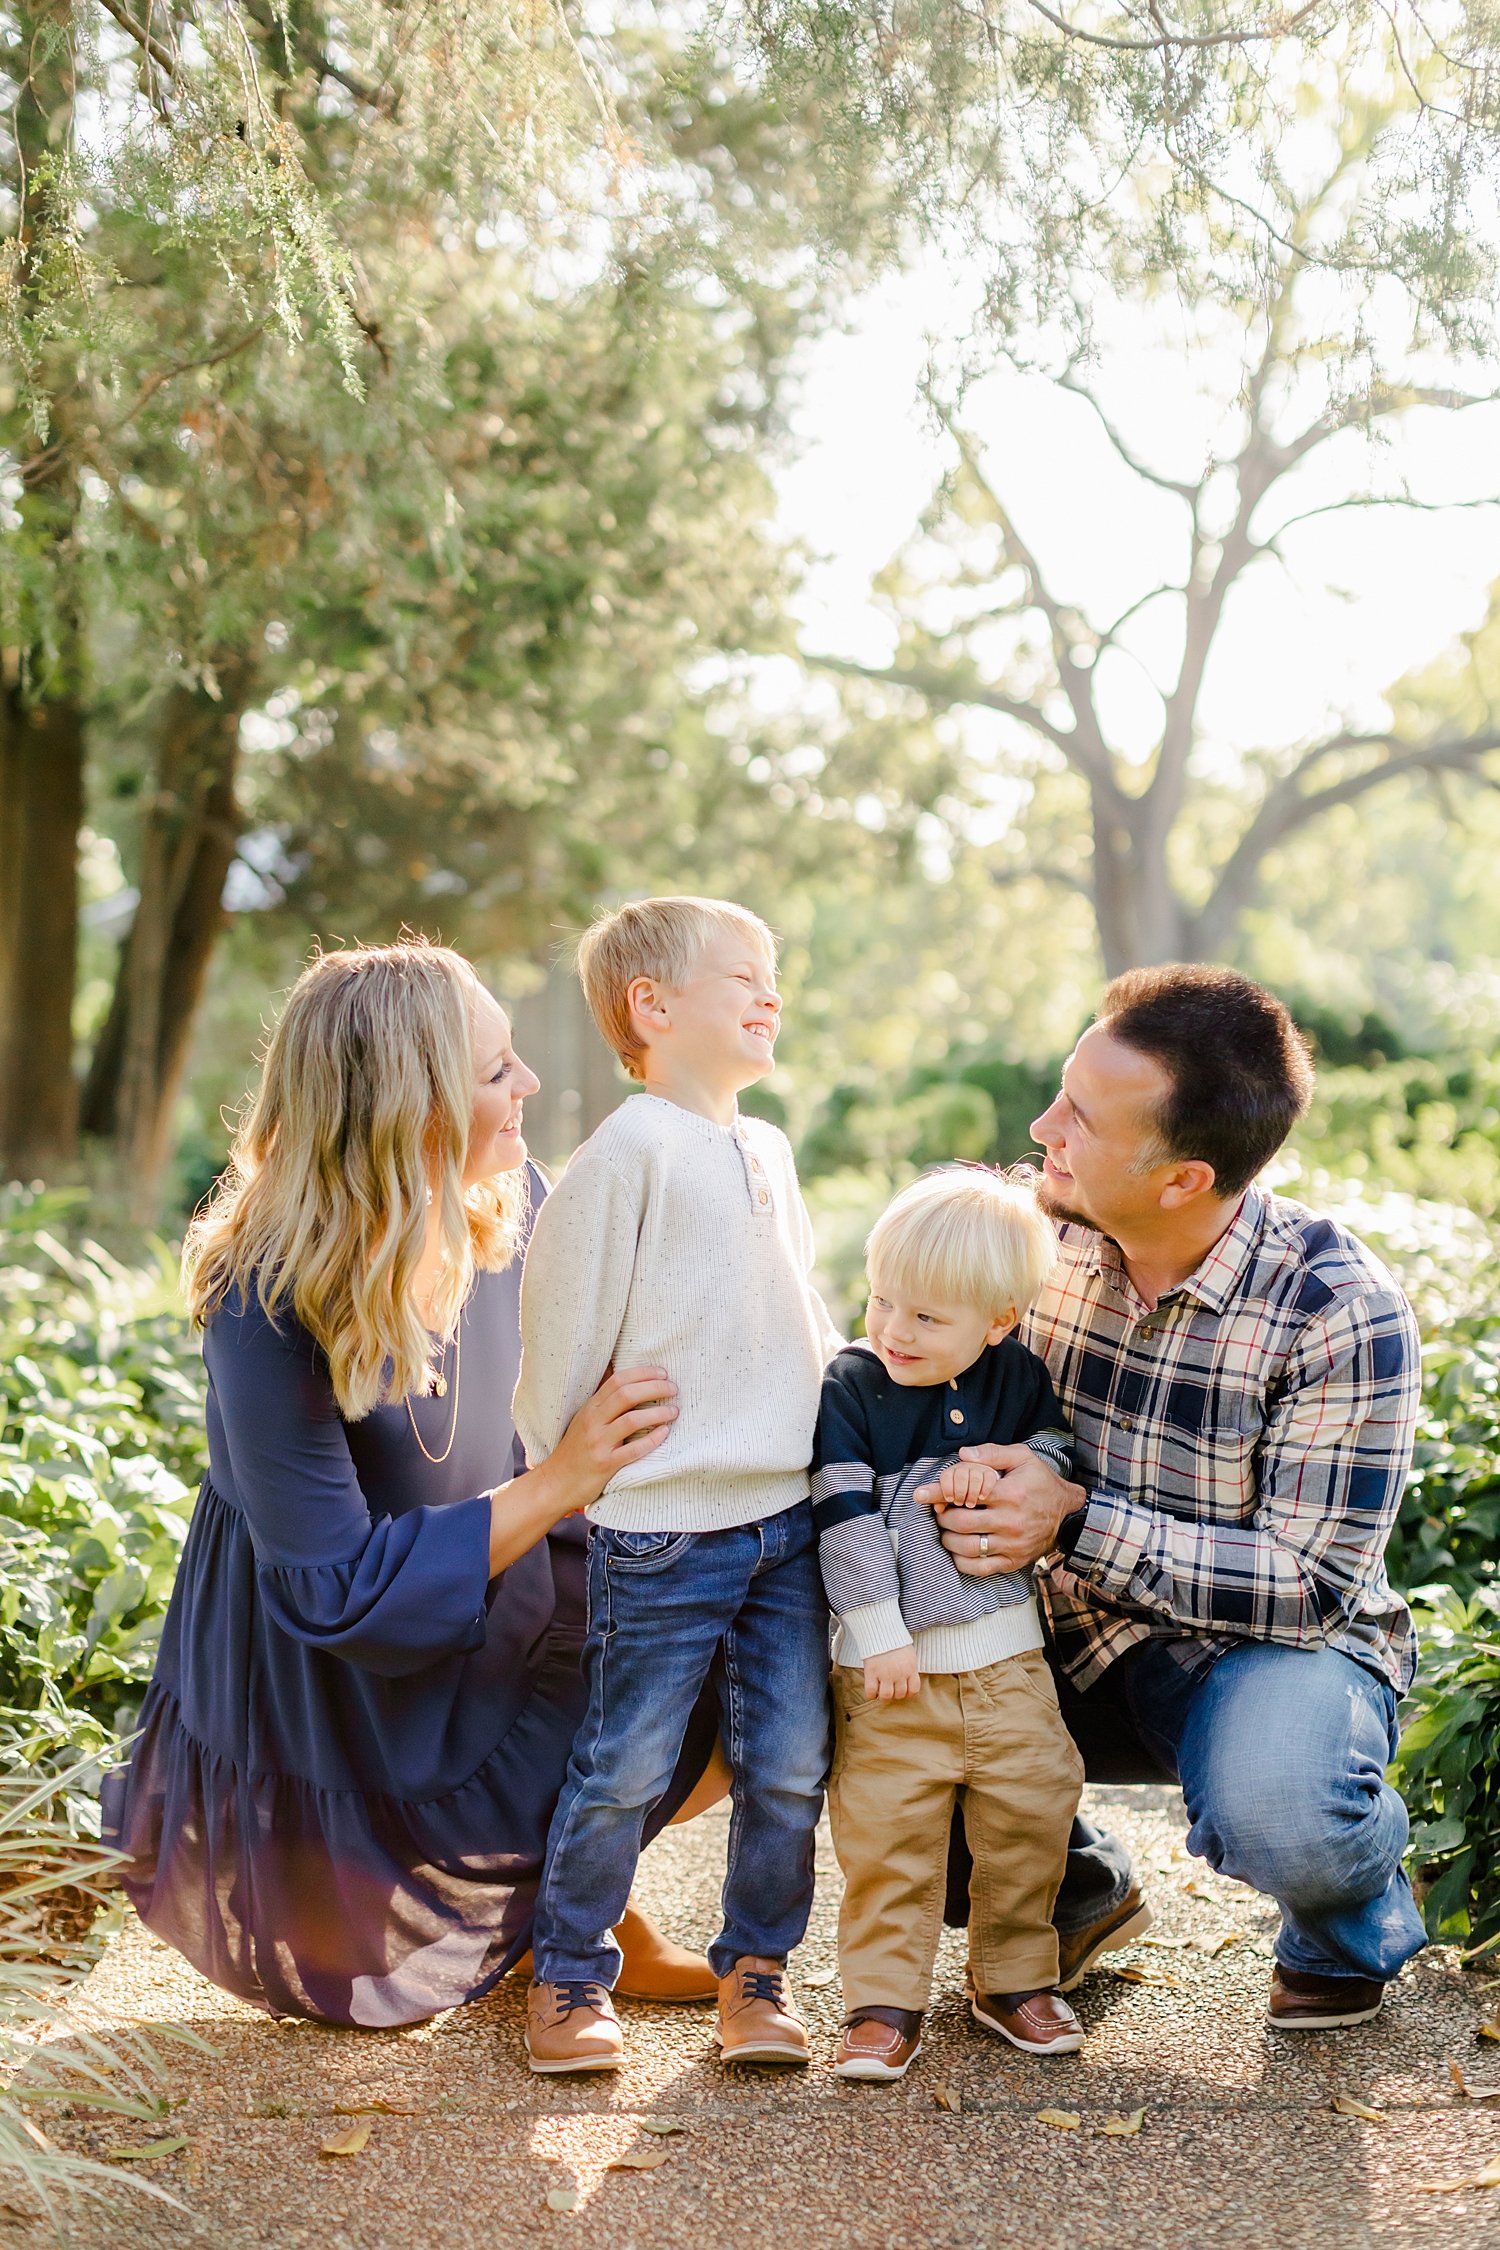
(962, 1237)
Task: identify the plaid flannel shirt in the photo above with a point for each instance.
(1244, 1444)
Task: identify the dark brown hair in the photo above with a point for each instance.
(1240, 1069)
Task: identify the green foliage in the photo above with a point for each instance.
(48, 1943)
(1448, 1534)
(1448, 1767)
(101, 1446)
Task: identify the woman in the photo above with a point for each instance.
(368, 1682)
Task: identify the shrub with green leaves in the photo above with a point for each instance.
(101, 1448)
(1448, 1767)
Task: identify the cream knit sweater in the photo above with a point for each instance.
(673, 1242)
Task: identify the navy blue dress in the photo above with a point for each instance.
(354, 1739)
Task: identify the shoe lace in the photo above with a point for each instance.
(763, 1984)
(571, 1996)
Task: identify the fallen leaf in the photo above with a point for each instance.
(1487, 2176)
(1121, 2127)
(662, 2125)
(1468, 2093)
(638, 2160)
(1147, 1976)
(948, 2097)
(348, 2143)
(1214, 1946)
(1195, 1889)
(372, 2109)
(1489, 2029)
(563, 2199)
(1350, 2105)
(151, 2152)
(1066, 2120)
(816, 1979)
(1170, 1944)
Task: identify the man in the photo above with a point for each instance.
(1242, 1379)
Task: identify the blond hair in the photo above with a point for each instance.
(964, 1237)
(661, 938)
(364, 1108)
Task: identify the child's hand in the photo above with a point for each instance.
(966, 1484)
(892, 1677)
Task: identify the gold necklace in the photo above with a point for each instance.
(440, 1390)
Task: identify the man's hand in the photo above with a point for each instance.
(1018, 1525)
(890, 1678)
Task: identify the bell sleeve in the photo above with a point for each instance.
(390, 1594)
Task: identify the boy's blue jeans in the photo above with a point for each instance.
(662, 1606)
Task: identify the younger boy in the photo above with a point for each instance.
(677, 1238)
(940, 1683)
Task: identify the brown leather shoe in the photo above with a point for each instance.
(652, 1967)
(1300, 2002)
(879, 2043)
(1039, 2023)
(1078, 1950)
(572, 2027)
(757, 2022)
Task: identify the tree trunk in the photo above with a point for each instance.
(189, 834)
(41, 811)
(42, 732)
(1140, 918)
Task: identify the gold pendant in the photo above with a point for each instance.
(440, 1386)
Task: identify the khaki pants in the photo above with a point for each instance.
(997, 1735)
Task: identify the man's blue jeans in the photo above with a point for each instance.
(1281, 1756)
(663, 1605)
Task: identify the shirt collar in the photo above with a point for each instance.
(1213, 1282)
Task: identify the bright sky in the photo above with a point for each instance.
(1372, 592)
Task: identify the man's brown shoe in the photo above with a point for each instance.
(653, 1968)
(1078, 1950)
(572, 2027)
(879, 2043)
(1039, 2023)
(757, 2022)
(1306, 2003)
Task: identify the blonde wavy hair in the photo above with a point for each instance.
(364, 1106)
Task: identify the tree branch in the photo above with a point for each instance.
(1289, 806)
(1191, 493)
(1169, 41)
(162, 56)
(938, 687)
(384, 100)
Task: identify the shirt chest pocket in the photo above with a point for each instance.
(1209, 1435)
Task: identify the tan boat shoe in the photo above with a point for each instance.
(1039, 2023)
(757, 2022)
(572, 2027)
(879, 2043)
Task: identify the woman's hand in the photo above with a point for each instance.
(627, 1418)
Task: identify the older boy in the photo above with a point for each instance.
(677, 1237)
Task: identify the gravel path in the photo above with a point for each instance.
(1239, 2146)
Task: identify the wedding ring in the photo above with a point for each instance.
(984, 1544)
